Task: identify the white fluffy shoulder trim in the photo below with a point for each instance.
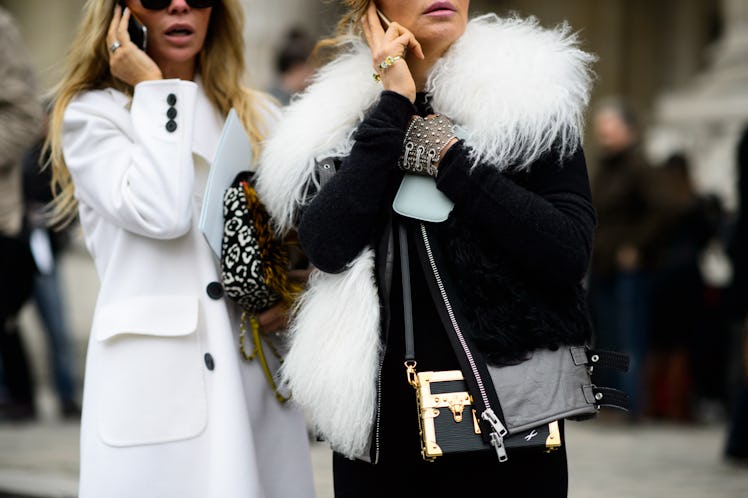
(334, 354)
(317, 124)
(515, 89)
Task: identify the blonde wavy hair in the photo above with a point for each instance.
(87, 68)
(347, 29)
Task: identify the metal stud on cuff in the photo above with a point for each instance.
(423, 143)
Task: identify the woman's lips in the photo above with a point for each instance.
(181, 28)
(179, 33)
(440, 9)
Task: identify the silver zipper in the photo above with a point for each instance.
(499, 431)
(379, 411)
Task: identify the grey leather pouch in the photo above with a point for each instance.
(533, 392)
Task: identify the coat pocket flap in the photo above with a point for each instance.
(167, 316)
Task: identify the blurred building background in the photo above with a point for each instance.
(683, 63)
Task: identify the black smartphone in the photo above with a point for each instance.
(138, 32)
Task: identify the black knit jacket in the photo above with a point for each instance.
(517, 243)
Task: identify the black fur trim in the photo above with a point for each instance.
(510, 314)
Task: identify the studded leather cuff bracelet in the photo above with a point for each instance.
(424, 141)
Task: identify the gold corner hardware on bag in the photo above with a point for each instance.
(456, 405)
(431, 401)
(553, 441)
(476, 424)
(448, 422)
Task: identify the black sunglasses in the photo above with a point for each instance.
(162, 4)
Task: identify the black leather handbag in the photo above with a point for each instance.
(448, 420)
(502, 409)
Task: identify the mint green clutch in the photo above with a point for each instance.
(419, 198)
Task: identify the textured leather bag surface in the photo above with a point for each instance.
(448, 421)
(549, 385)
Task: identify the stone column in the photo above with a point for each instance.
(704, 118)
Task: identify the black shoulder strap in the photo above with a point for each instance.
(410, 354)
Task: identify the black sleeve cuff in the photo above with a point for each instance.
(394, 109)
(454, 170)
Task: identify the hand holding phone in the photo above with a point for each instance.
(137, 31)
(390, 44)
(136, 66)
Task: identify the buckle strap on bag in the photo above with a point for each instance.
(606, 396)
(608, 359)
(600, 358)
(325, 169)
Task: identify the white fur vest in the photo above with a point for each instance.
(514, 89)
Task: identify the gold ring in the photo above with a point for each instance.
(389, 61)
(376, 77)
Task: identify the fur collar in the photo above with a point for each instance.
(514, 89)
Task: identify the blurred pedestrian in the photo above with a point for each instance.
(736, 447)
(626, 249)
(679, 328)
(293, 65)
(170, 407)
(47, 245)
(20, 122)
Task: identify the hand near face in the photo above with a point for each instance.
(396, 41)
(128, 62)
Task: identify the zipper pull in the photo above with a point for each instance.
(497, 433)
(498, 444)
(489, 416)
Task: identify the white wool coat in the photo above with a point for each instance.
(170, 409)
(513, 89)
